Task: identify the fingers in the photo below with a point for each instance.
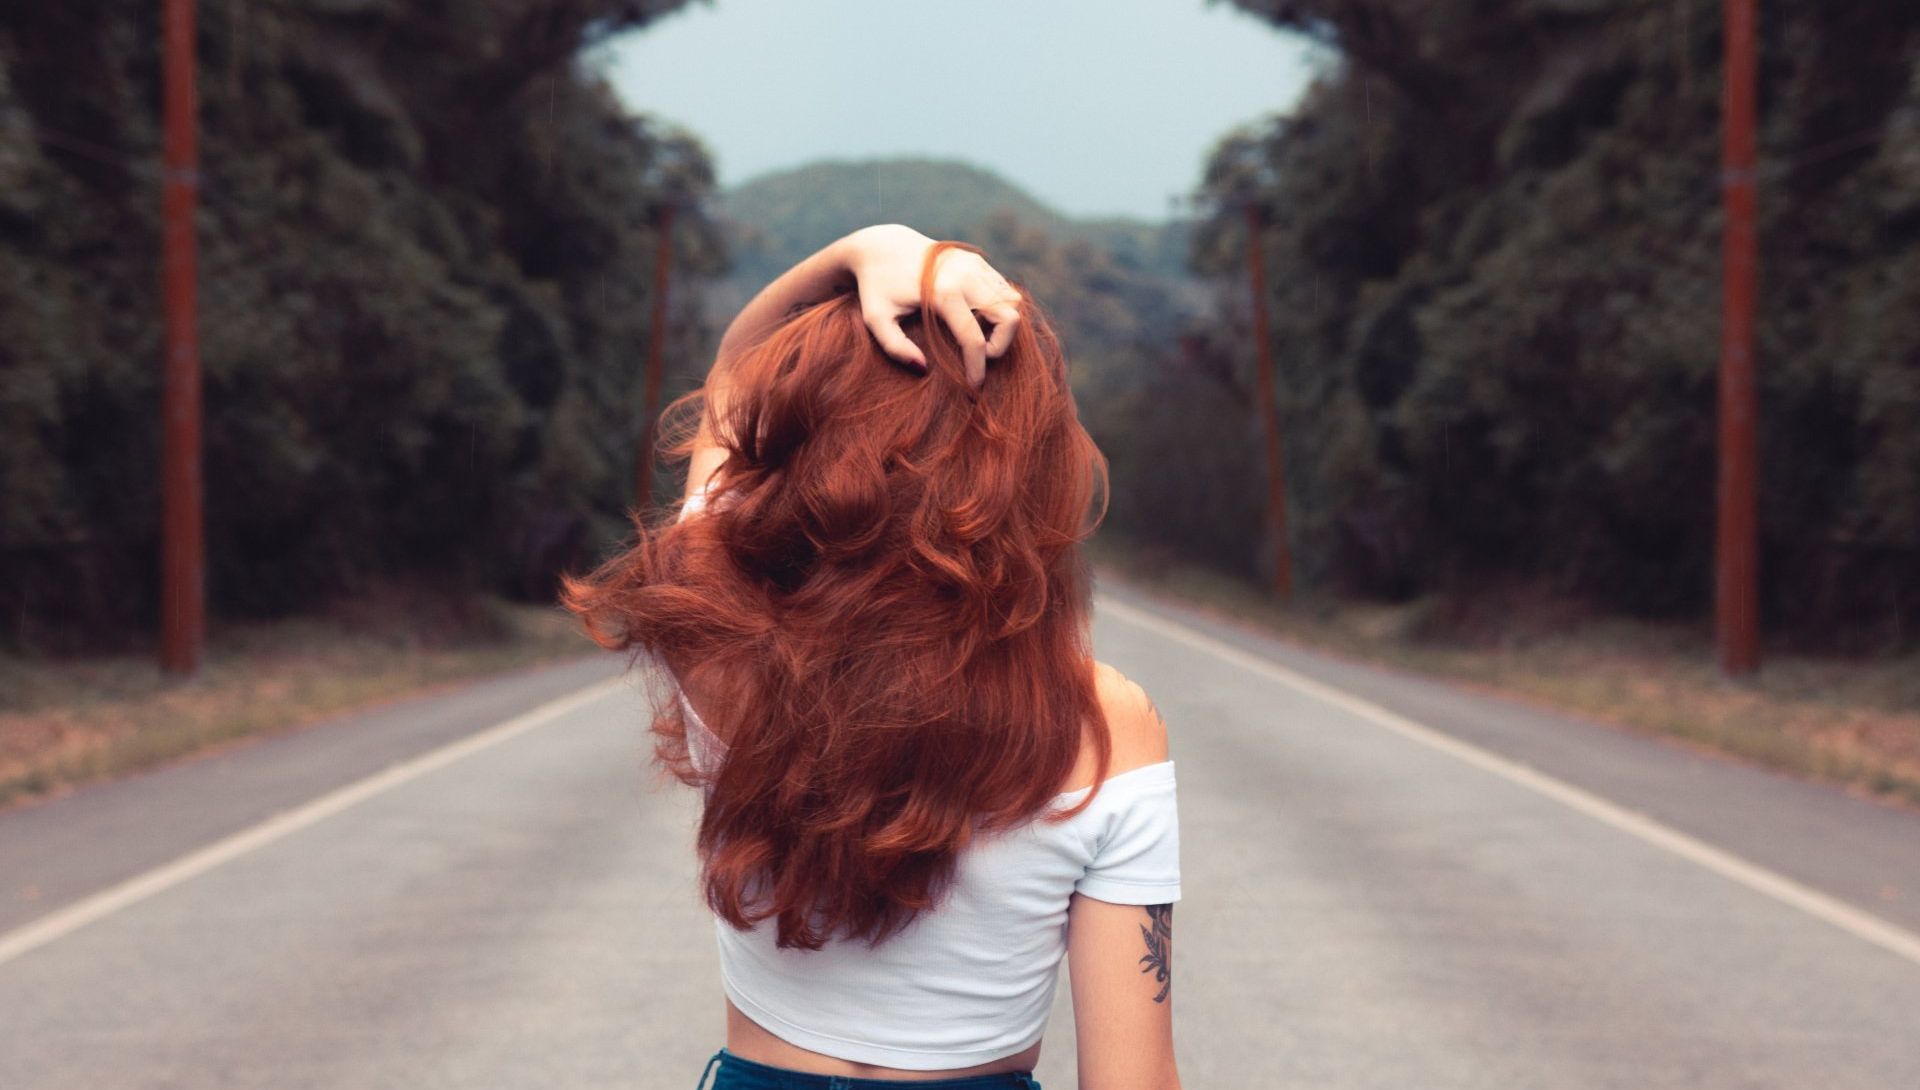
(966, 293)
(966, 329)
(1004, 316)
(998, 302)
(894, 341)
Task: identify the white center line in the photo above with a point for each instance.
(65, 921)
(1863, 925)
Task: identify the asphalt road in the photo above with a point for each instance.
(1388, 883)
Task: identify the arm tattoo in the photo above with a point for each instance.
(1159, 957)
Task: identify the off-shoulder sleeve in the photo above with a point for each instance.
(696, 500)
(1136, 858)
(704, 748)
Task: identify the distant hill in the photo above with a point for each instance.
(776, 219)
(793, 212)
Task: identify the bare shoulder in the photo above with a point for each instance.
(1139, 733)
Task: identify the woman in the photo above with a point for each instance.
(920, 789)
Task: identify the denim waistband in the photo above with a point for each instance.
(741, 1074)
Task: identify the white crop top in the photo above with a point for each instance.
(971, 980)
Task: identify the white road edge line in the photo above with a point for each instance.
(96, 906)
(1862, 925)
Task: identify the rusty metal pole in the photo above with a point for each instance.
(1269, 411)
(656, 345)
(1737, 550)
(182, 545)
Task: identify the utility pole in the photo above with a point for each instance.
(1269, 411)
(1737, 550)
(182, 545)
(656, 344)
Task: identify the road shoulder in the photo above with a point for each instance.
(55, 852)
(1860, 851)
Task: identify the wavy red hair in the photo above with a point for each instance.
(887, 603)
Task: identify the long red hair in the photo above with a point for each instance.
(886, 599)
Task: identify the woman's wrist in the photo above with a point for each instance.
(880, 239)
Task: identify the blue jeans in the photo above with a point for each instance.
(738, 1074)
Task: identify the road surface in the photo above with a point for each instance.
(1389, 883)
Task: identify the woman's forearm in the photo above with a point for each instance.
(828, 272)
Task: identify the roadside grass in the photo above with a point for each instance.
(1850, 721)
(69, 721)
(1844, 720)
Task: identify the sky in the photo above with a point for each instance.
(1095, 107)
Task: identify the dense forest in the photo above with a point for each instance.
(1491, 229)
(427, 247)
(1493, 239)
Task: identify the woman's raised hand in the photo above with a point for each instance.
(886, 261)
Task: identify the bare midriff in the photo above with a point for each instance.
(749, 1040)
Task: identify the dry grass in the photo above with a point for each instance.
(1849, 721)
(69, 721)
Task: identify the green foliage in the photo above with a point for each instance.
(427, 246)
(1493, 237)
(1155, 416)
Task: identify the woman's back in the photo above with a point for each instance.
(972, 981)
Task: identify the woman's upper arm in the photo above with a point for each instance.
(1120, 966)
(1120, 956)
(707, 456)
